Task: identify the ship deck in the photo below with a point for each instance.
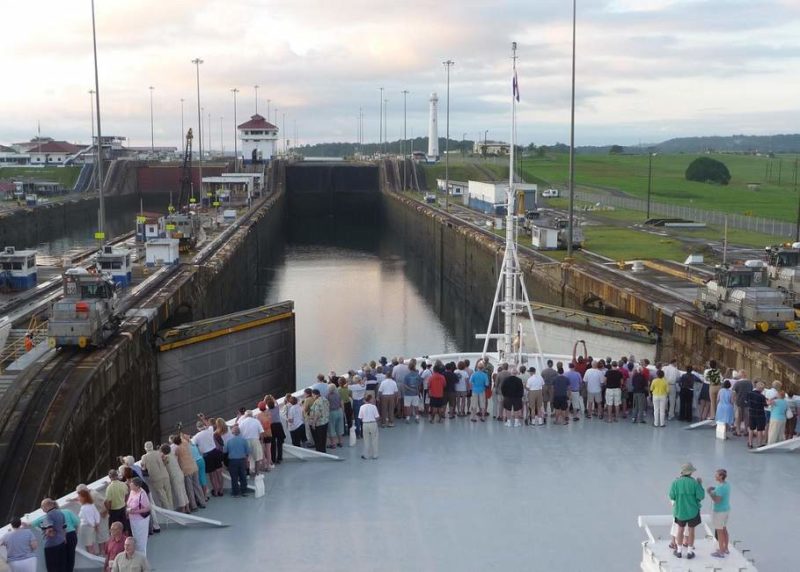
(474, 496)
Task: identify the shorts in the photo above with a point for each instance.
(437, 402)
(477, 401)
(256, 450)
(613, 397)
(460, 394)
(757, 423)
(691, 523)
(594, 398)
(336, 423)
(720, 520)
(512, 403)
(535, 400)
(411, 400)
(560, 402)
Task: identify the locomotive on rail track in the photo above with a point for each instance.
(86, 313)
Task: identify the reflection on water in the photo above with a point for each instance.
(354, 299)
(81, 236)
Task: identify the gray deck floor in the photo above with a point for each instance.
(466, 496)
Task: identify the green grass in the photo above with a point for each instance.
(628, 173)
(626, 244)
(66, 176)
(465, 170)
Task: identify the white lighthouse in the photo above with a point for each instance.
(433, 130)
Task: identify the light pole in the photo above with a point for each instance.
(447, 64)
(152, 131)
(650, 156)
(256, 88)
(380, 127)
(572, 141)
(197, 62)
(183, 135)
(100, 235)
(209, 133)
(405, 138)
(797, 229)
(283, 128)
(268, 102)
(234, 91)
(91, 111)
(485, 143)
(386, 125)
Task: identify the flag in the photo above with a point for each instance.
(515, 86)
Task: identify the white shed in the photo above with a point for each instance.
(161, 251)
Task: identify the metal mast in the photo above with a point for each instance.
(101, 222)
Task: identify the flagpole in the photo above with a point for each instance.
(509, 298)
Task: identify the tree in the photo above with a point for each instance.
(616, 150)
(708, 170)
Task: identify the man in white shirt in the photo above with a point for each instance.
(594, 378)
(534, 385)
(672, 374)
(368, 414)
(387, 397)
(250, 429)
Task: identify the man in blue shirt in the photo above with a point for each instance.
(237, 450)
(479, 381)
(55, 541)
(575, 398)
(721, 495)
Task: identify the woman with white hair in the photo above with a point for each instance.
(138, 505)
(777, 419)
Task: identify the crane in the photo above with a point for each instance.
(186, 175)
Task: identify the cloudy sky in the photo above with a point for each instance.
(647, 70)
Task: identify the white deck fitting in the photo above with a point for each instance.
(657, 555)
(789, 445)
(709, 423)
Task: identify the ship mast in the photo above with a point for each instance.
(511, 279)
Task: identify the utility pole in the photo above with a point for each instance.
(152, 131)
(101, 223)
(386, 125)
(256, 88)
(405, 138)
(572, 140)
(649, 181)
(380, 127)
(91, 109)
(235, 128)
(183, 135)
(447, 64)
(221, 141)
(268, 102)
(797, 229)
(197, 62)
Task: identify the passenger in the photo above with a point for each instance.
(741, 389)
(710, 375)
(319, 415)
(72, 523)
(321, 384)
(686, 493)
(20, 544)
(212, 458)
(497, 389)
(426, 370)
(252, 430)
(138, 509)
(639, 384)
(180, 497)
(594, 378)
(116, 491)
(387, 398)
(756, 404)
(575, 379)
(190, 470)
(358, 391)
(659, 388)
(791, 414)
(53, 528)
(265, 437)
(99, 504)
(347, 403)
(436, 387)
(721, 495)
(28, 342)
(114, 546)
(777, 419)
(411, 390)
(724, 412)
(202, 475)
(308, 400)
(296, 425)
(368, 414)
(771, 393)
(687, 384)
(672, 374)
(535, 384)
(335, 417)
(451, 381)
(371, 383)
(90, 523)
(131, 560)
(461, 389)
(513, 391)
(626, 388)
(479, 382)
(278, 434)
(561, 396)
(549, 375)
(614, 380)
(238, 449)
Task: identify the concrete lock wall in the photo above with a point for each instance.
(315, 189)
(217, 376)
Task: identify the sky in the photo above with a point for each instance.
(647, 70)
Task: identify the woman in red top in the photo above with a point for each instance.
(436, 386)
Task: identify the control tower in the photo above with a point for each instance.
(433, 129)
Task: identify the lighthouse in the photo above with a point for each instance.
(433, 130)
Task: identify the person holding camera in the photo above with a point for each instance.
(687, 494)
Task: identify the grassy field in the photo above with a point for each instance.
(461, 170)
(626, 244)
(628, 173)
(66, 176)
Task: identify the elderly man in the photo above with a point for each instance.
(130, 560)
(157, 476)
(251, 429)
(686, 494)
(55, 541)
(115, 545)
(237, 449)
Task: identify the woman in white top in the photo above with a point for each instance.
(90, 522)
(358, 390)
(297, 429)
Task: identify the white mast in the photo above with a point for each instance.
(510, 275)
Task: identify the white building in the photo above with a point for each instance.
(433, 129)
(258, 139)
(491, 197)
(52, 152)
(491, 148)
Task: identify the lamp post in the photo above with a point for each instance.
(447, 64)
(386, 125)
(197, 62)
(405, 138)
(268, 102)
(183, 135)
(91, 112)
(256, 88)
(234, 91)
(221, 140)
(485, 143)
(380, 127)
(152, 131)
(572, 140)
(650, 156)
(102, 213)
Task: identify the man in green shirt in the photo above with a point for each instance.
(686, 494)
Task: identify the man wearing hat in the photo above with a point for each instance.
(686, 494)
